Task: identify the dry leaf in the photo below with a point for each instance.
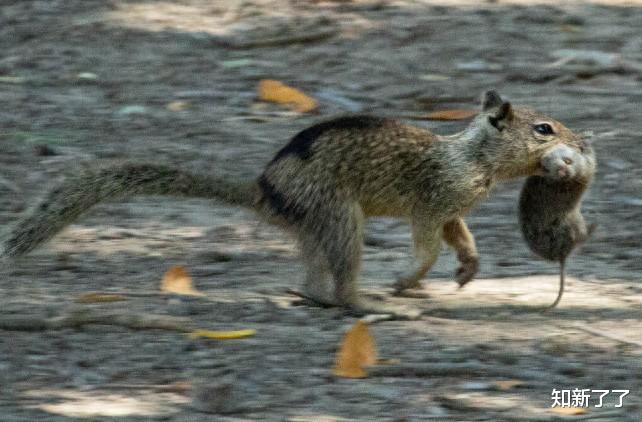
(505, 385)
(95, 297)
(277, 92)
(222, 335)
(455, 114)
(569, 410)
(177, 280)
(357, 351)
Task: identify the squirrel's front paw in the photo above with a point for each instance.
(409, 287)
(468, 269)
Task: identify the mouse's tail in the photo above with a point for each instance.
(560, 292)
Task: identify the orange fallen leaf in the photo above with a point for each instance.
(176, 280)
(569, 410)
(277, 92)
(505, 385)
(222, 335)
(455, 114)
(357, 351)
(95, 297)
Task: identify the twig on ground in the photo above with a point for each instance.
(280, 41)
(451, 369)
(80, 317)
(306, 298)
(598, 333)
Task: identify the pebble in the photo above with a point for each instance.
(475, 386)
(478, 66)
(43, 150)
(132, 110)
(221, 398)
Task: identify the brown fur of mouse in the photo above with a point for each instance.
(550, 205)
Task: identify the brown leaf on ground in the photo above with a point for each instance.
(454, 114)
(357, 351)
(277, 92)
(178, 281)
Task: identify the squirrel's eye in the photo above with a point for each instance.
(544, 129)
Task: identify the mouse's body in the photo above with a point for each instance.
(549, 205)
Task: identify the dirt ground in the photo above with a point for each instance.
(175, 82)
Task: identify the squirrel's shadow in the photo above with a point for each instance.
(501, 312)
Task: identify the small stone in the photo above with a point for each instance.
(475, 386)
(87, 76)
(555, 346)
(570, 369)
(220, 398)
(44, 150)
(231, 64)
(338, 99)
(434, 77)
(215, 256)
(618, 164)
(178, 106)
(478, 66)
(132, 110)
(574, 20)
(587, 57)
(178, 307)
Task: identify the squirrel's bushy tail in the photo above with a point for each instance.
(79, 193)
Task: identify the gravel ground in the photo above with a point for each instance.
(175, 82)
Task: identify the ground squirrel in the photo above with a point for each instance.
(330, 177)
(549, 205)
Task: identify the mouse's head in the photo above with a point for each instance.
(564, 162)
(517, 138)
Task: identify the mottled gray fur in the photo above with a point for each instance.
(331, 177)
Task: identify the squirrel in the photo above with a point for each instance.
(330, 177)
(549, 204)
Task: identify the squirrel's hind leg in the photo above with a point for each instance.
(338, 236)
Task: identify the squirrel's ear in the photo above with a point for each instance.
(501, 117)
(491, 99)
